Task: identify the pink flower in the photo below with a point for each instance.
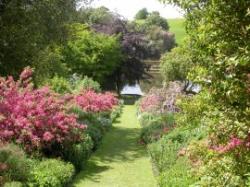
(231, 145)
(36, 118)
(47, 136)
(91, 101)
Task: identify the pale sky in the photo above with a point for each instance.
(128, 8)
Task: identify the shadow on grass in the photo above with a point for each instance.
(119, 145)
(90, 172)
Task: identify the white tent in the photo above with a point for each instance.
(132, 90)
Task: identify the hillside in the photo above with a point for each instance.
(178, 28)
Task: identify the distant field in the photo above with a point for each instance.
(178, 28)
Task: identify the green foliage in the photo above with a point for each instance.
(84, 83)
(51, 173)
(116, 112)
(173, 169)
(177, 175)
(15, 165)
(154, 19)
(221, 172)
(145, 119)
(176, 64)
(219, 40)
(48, 63)
(160, 41)
(28, 28)
(13, 184)
(97, 124)
(92, 54)
(155, 28)
(142, 14)
(78, 154)
(59, 84)
(154, 127)
(92, 16)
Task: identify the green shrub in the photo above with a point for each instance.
(59, 84)
(51, 173)
(96, 133)
(221, 172)
(13, 184)
(152, 133)
(174, 169)
(164, 154)
(116, 112)
(145, 119)
(78, 154)
(98, 124)
(15, 166)
(85, 83)
(155, 127)
(178, 175)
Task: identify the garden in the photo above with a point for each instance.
(64, 121)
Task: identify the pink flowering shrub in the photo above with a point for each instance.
(150, 103)
(233, 144)
(90, 101)
(35, 118)
(161, 100)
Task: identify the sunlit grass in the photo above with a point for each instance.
(178, 28)
(120, 161)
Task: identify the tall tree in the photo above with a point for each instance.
(27, 27)
(142, 14)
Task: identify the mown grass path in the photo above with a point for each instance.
(120, 161)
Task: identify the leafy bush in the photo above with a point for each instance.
(51, 173)
(78, 153)
(13, 184)
(116, 111)
(14, 165)
(176, 65)
(59, 84)
(155, 128)
(221, 56)
(177, 175)
(97, 124)
(90, 53)
(145, 119)
(35, 118)
(85, 83)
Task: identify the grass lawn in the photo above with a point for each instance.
(178, 28)
(119, 161)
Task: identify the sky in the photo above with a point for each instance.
(128, 8)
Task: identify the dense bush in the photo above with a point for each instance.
(85, 83)
(220, 52)
(170, 159)
(161, 100)
(14, 164)
(116, 112)
(91, 101)
(176, 64)
(90, 53)
(79, 153)
(13, 184)
(177, 175)
(59, 85)
(51, 173)
(35, 118)
(154, 128)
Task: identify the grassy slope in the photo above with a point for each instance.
(178, 28)
(120, 161)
